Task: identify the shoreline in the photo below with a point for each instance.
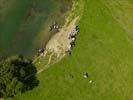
(60, 41)
(58, 44)
(68, 18)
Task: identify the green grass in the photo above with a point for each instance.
(103, 49)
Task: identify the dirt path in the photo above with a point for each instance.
(47, 65)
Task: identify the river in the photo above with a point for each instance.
(24, 24)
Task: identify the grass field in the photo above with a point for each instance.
(103, 49)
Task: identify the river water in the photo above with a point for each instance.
(24, 24)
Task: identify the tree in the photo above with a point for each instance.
(13, 72)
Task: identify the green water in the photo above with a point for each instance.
(22, 23)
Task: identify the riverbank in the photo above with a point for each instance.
(56, 47)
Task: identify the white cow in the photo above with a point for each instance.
(69, 47)
(73, 39)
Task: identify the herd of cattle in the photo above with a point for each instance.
(72, 38)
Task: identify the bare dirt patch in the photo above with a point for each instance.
(59, 43)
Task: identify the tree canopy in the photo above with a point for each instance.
(13, 73)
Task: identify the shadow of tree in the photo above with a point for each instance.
(26, 68)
